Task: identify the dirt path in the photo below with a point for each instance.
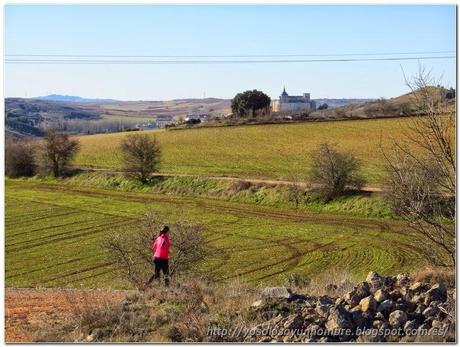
(27, 309)
(366, 189)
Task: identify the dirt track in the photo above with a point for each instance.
(27, 309)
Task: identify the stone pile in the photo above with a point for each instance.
(380, 309)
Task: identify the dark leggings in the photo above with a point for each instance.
(161, 265)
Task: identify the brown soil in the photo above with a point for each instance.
(27, 309)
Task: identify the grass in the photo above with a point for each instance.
(364, 205)
(258, 151)
(53, 235)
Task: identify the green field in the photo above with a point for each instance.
(53, 235)
(255, 151)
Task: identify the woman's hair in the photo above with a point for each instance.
(164, 229)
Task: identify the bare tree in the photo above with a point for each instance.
(19, 158)
(140, 156)
(421, 168)
(56, 152)
(131, 250)
(333, 171)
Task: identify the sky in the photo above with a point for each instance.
(223, 30)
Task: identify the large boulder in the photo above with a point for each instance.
(277, 293)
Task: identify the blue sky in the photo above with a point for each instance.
(224, 30)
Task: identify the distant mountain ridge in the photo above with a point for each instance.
(72, 98)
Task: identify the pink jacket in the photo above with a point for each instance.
(161, 247)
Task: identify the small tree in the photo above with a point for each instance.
(250, 103)
(56, 152)
(19, 158)
(333, 172)
(140, 156)
(131, 250)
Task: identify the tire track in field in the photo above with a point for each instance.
(51, 227)
(216, 205)
(8, 277)
(92, 230)
(51, 214)
(78, 271)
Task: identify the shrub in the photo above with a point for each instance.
(19, 159)
(333, 172)
(140, 156)
(131, 252)
(56, 151)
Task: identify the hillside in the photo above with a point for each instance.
(29, 117)
(403, 105)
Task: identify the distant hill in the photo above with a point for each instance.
(71, 98)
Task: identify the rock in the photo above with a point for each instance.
(430, 312)
(325, 300)
(89, 338)
(386, 306)
(436, 324)
(402, 279)
(418, 287)
(397, 318)
(339, 318)
(422, 329)
(420, 308)
(380, 316)
(417, 298)
(294, 322)
(368, 304)
(377, 324)
(362, 289)
(394, 294)
(380, 295)
(257, 304)
(277, 293)
(374, 279)
(362, 320)
(405, 306)
(323, 310)
(410, 327)
(340, 300)
(436, 292)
